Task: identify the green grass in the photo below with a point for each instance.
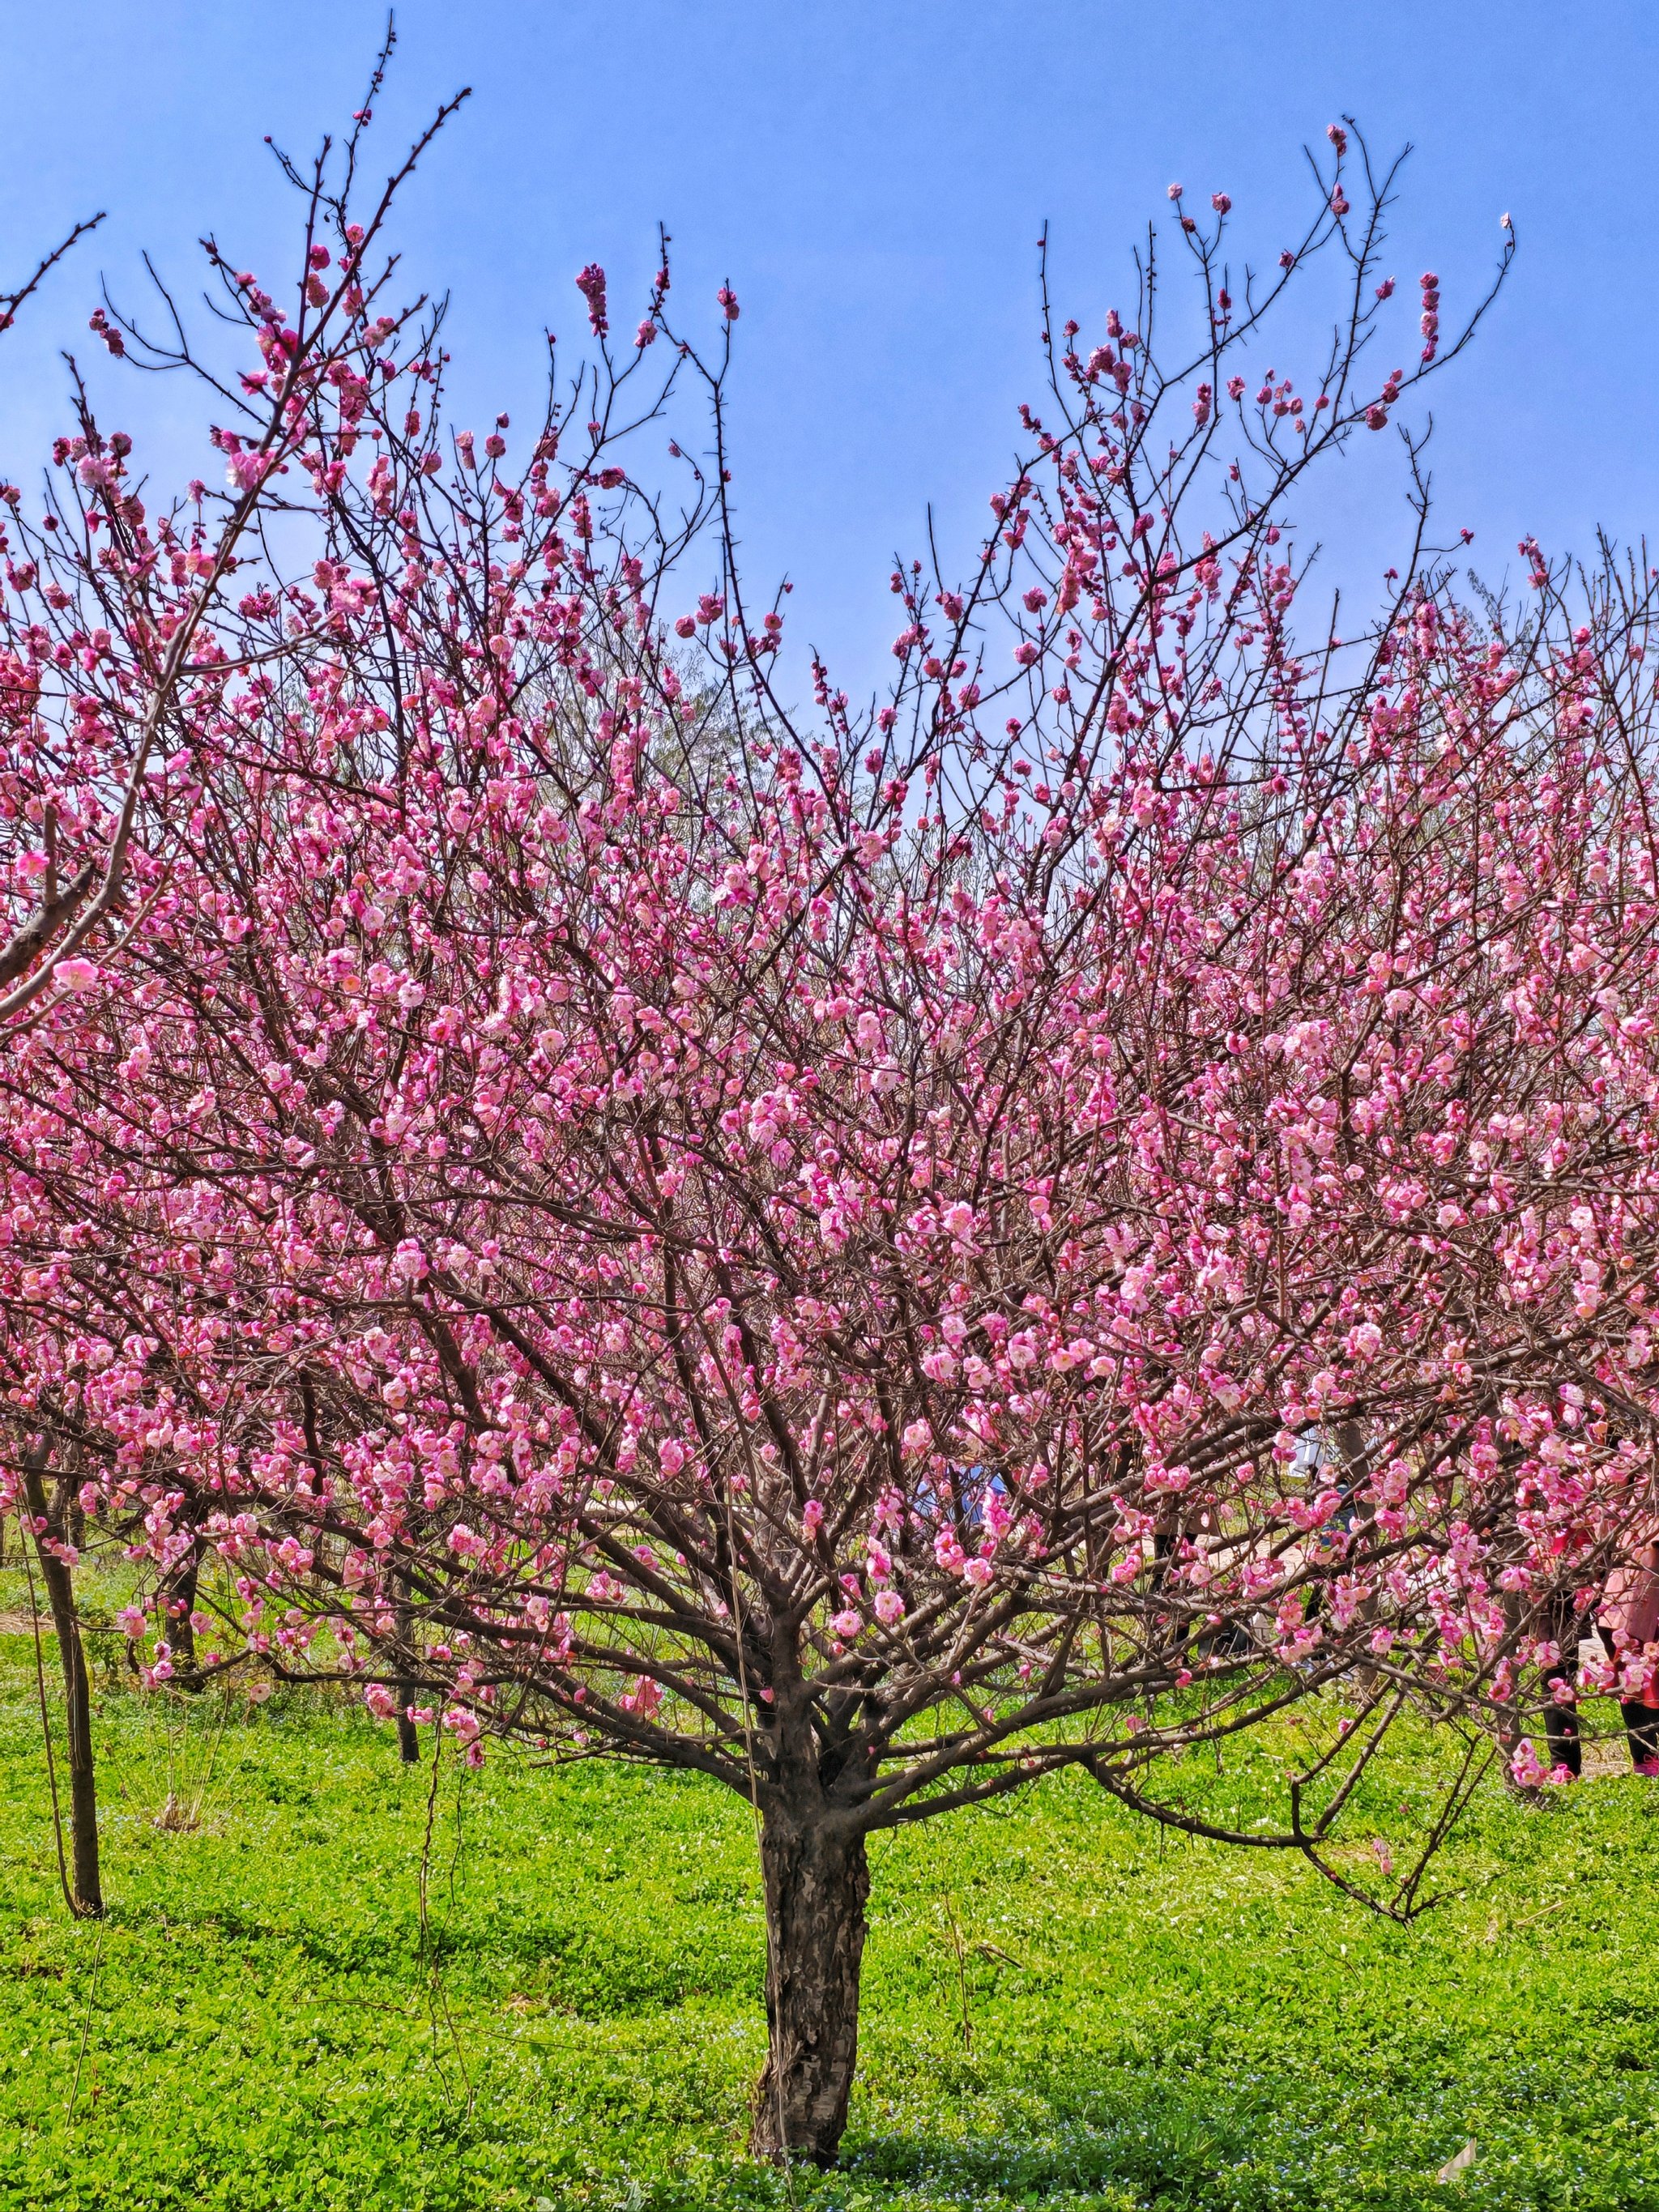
(262, 2021)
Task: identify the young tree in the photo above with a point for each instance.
(48, 1513)
(103, 641)
(44, 928)
(810, 1247)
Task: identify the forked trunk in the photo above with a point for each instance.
(817, 1882)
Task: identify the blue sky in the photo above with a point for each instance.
(873, 177)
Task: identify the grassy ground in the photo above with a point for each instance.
(1059, 2010)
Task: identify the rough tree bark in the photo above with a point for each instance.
(87, 1897)
(818, 1882)
(178, 1603)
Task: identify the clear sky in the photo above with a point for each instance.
(872, 176)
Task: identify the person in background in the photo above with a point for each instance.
(1561, 1714)
(1629, 1623)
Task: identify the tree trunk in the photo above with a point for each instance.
(87, 1895)
(817, 1880)
(409, 1736)
(178, 1602)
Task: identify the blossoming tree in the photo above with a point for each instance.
(813, 1247)
(98, 663)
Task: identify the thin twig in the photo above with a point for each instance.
(962, 1971)
(86, 2025)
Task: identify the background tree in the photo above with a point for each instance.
(44, 927)
(810, 1247)
(103, 643)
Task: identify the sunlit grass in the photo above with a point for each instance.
(1062, 2005)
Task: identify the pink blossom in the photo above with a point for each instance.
(590, 282)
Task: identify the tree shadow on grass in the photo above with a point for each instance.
(1145, 2148)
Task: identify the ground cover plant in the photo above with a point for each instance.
(1062, 2007)
(875, 1258)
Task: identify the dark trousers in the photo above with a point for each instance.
(1561, 1722)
